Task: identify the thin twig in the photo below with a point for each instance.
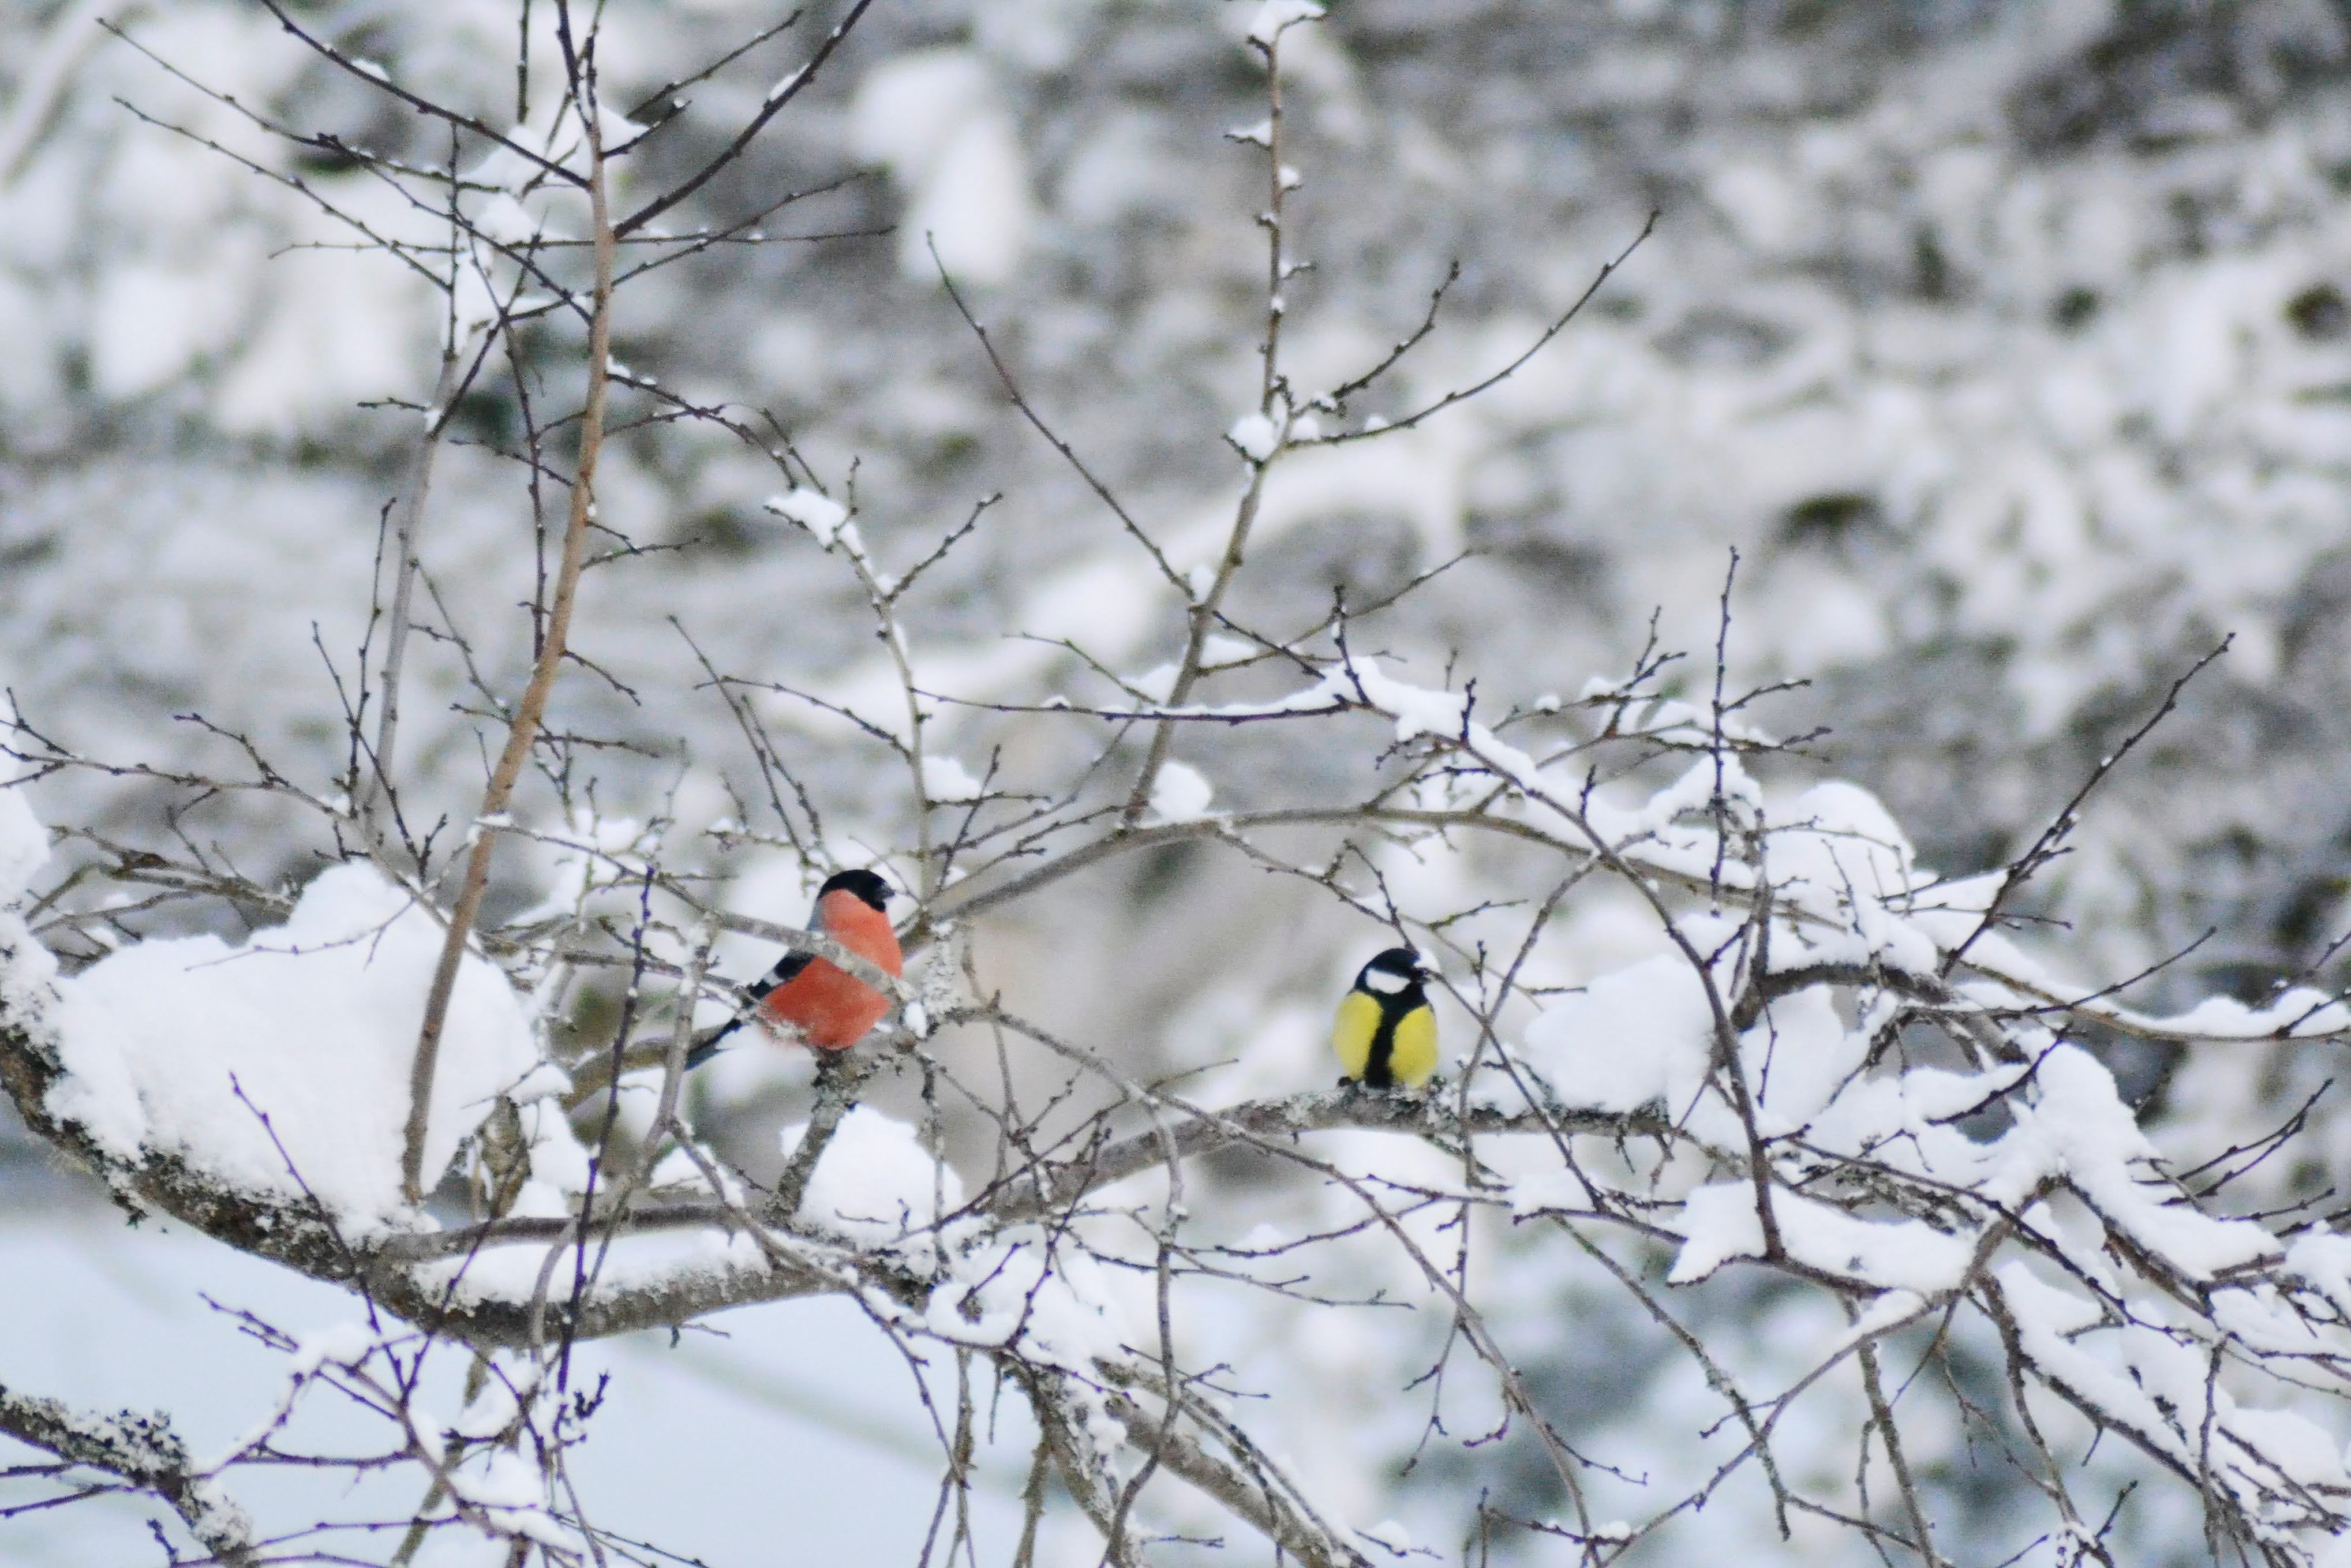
(524, 730)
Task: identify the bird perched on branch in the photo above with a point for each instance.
(813, 1001)
(1385, 1034)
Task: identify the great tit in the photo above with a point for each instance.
(1385, 1034)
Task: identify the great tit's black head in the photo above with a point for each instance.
(867, 885)
(1392, 973)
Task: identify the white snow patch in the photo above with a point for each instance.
(1720, 1223)
(1180, 794)
(1639, 1035)
(1538, 1191)
(1156, 683)
(1258, 436)
(24, 845)
(24, 841)
(1219, 649)
(2323, 1260)
(316, 1022)
(1799, 1057)
(2077, 1126)
(1275, 16)
(875, 1183)
(345, 1344)
(544, 1081)
(667, 1259)
(817, 512)
(944, 778)
(1030, 1286)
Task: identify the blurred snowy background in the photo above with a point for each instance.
(2009, 343)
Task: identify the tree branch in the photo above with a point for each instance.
(524, 730)
(142, 1450)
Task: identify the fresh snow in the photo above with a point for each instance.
(1720, 1222)
(1256, 436)
(937, 120)
(944, 778)
(24, 845)
(24, 841)
(1180, 794)
(183, 1046)
(1274, 16)
(874, 1183)
(1643, 1034)
(813, 510)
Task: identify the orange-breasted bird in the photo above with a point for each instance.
(817, 1002)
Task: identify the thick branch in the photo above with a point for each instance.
(1265, 1120)
(142, 1450)
(838, 1078)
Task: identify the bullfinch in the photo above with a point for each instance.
(1385, 1034)
(816, 1002)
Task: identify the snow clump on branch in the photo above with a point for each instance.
(279, 1066)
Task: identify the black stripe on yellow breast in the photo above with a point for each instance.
(1381, 1042)
(1379, 1070)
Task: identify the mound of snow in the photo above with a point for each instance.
(183, 1046)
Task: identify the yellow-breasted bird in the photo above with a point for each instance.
(1385, 1034)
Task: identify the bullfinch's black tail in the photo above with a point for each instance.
(705, 1049)
(788, 966)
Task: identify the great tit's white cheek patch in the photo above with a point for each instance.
(1385, 982)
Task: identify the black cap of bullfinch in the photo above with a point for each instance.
(866, 885)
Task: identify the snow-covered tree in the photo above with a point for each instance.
(1776, 1195)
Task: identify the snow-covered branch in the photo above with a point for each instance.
(143, 1452)
(1841, 1160)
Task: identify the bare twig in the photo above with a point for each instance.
(524, 730)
